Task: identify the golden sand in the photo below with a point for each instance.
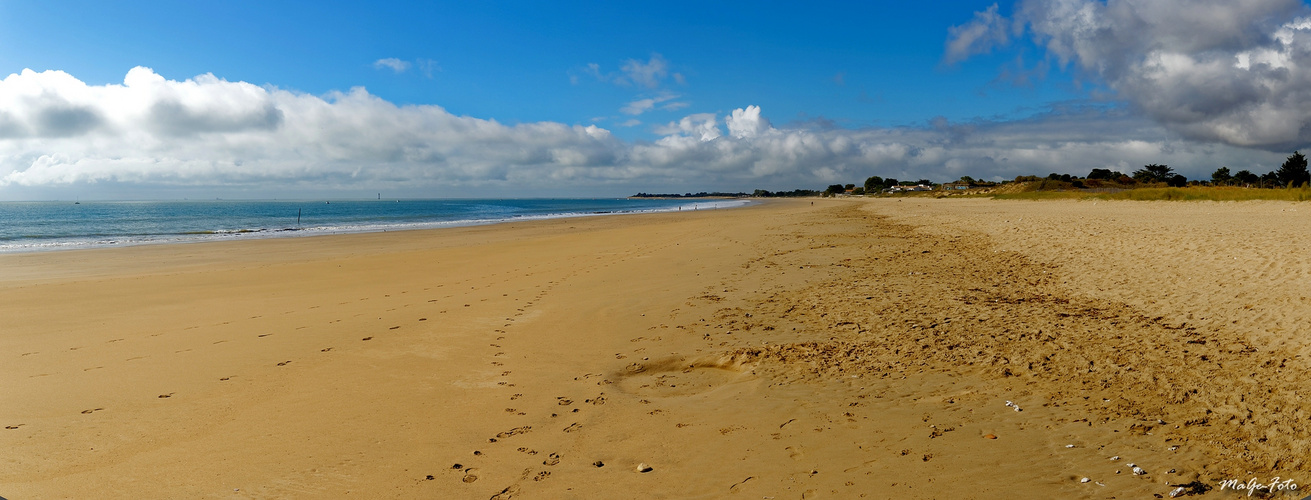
(846, 349)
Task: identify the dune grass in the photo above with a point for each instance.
(1210, 194)
(1044, 195)
(1170, 194)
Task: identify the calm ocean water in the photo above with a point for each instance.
(39, 226)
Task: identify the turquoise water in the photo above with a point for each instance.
(38, 226)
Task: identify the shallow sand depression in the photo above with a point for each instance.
(853, 348)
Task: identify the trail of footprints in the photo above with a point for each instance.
(467, 474)
(284, 363)
(498, 351)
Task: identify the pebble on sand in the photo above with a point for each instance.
(989, 436)
(644, 468)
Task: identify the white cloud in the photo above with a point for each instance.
(675, 106)
(1237, 72)
(643, 105)
(650, 74)
(428, 66)
(703, 126)
(393, 64)
(647, 74)
(210, 134)
(746, 123)
(987, 30)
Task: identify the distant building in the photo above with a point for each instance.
(951, 186)
(899, 189)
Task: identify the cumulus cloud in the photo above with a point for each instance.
(1236, 72)
(703, 126)
(209, 131)
(211, 134)
(393, 64)
(747, 123)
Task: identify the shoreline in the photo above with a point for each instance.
(848, 348)
(201, 236)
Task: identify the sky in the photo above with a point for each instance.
(167, 100)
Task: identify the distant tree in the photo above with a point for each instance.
(1269, 179)
(1066, 177)
(1246, 177)
(906, 183)
(889, 182)
(835, 189)
(873, 183)
(969, 181)
(849, 186)
(924, 182)
(1054, 176)
(1293, 172)
(1176, 180)
(1104, 174)
(858, 191)
(1221, 176)
(1154, 173)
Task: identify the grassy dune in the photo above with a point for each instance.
(1170, 194)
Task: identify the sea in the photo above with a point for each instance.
(66, 225)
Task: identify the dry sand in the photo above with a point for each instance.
(853, 348)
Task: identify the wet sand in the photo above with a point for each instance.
(853, 348)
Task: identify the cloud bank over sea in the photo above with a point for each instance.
(209, 133)
(1196, 85)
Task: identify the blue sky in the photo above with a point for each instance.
(843, 92)
(858, 64)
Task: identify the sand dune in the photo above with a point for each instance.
(853, 348)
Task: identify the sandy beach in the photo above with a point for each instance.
(853, 348)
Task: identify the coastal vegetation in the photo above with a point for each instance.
(1290, 182)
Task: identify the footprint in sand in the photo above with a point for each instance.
(165, 396)
(12, 427)
(517, 430)
(284, 363)
(552, 459)
(84, 412)
(470, 475)
(507, 493)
